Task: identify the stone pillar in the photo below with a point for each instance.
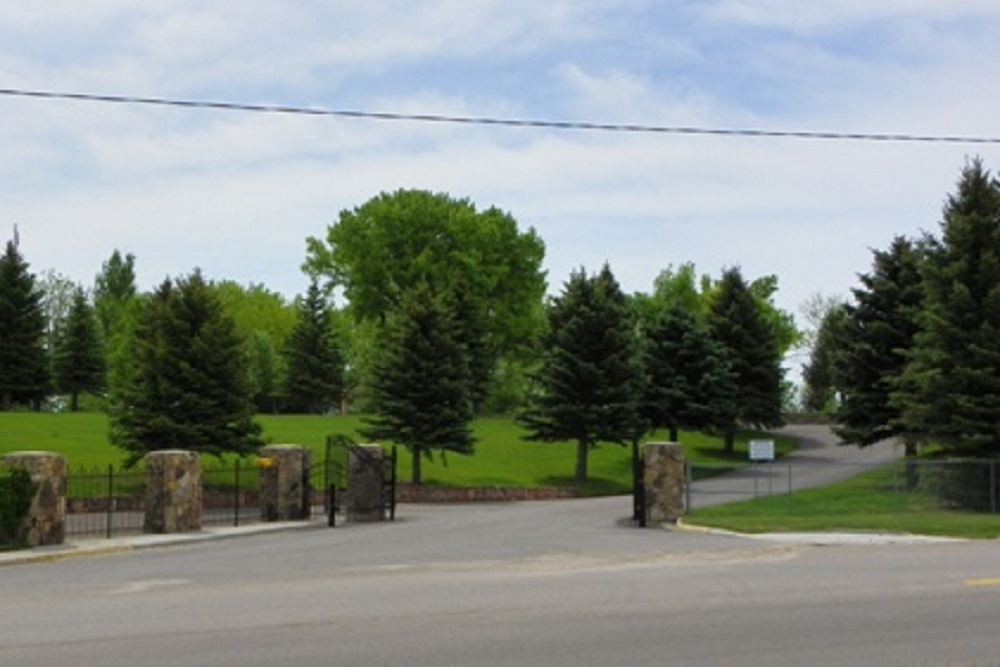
(173, 492)
(363, 500)
(663, 479)
(284, 481)
(45, 522)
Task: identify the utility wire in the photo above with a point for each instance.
(502, 122)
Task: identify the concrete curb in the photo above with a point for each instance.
(99, 547)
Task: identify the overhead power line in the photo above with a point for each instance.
(502, 122)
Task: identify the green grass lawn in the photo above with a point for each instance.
(871, 501)
(502, 456)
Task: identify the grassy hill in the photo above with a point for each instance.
(502, 457)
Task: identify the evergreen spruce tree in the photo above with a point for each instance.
(950, 391)
(24, 365)
(689, 380)
(187, 385)
(876, 334)
(421, 387)
(589, 383)
(314, 362)
(739, 325)
(79, 355)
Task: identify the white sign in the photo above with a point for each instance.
(761, 450)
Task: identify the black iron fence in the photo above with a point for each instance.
(901, 486)
(104, 502)
(109, 502)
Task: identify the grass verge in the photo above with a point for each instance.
(870, 502)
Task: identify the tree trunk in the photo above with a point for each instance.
(74, 401)
(415, 469)
(582, 449)
(729, 444)
(673, 433)
(912, 471)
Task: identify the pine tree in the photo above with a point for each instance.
(24, 368)
(421, 384)
(875, 338)
(950, 391)
(79, 355)
(689, 379)
(187, 385)
(738, 323)
(588, 386)
(314, 362)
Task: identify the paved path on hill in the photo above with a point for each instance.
(818, 461)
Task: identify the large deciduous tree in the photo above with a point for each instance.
(24, 366)
(314, 362)
(187, 385)
(748, 335)
(421, 389)
(116, 302)
(950, 391)
(264, 320)
(78, 358)
(589, 383)
(379, 251)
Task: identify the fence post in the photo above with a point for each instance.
(237, 492)
(45, 523)
(111, 502)
(993, 485)
(281, 494)
(173, 492)
(663, 482)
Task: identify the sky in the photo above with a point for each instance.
(237, 194)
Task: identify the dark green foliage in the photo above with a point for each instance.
(421, 387)
(689, 380)
(738, 323)
(950, 391)
(24, 366)
(589, 383)
(16, 491)
(873, 342)
(79, 355)
(187, 385)
(314, 363)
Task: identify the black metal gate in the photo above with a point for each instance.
(638, 488)
(329, 479)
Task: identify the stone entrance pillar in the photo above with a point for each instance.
(284, 482)
(664, 480)
(364, 483)
(173, 492)
(45, 522)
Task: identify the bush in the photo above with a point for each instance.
(16, 491)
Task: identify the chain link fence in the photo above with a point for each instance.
(904, 485)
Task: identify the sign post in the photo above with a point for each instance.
(762, 451)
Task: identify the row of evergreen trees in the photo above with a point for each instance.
(915, 355)
(171, 367)
(612, 371)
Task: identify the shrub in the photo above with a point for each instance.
(16, 491)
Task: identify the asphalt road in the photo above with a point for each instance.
(818, 461)
(550, 583)
(546, 583)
